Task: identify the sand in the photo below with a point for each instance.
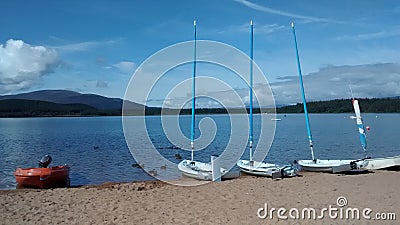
(229, 202)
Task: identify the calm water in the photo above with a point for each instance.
(97, 152)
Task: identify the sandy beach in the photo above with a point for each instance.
(238, 201)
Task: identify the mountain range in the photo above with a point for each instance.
(71, 97)
(71, 103)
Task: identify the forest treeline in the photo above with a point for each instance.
(367, 105)
(35, 108)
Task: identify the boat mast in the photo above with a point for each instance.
(193, 94)
(351, 91)
(303, 96)
(251, 92)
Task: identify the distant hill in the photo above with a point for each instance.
(374, 105)
(72, 97)
(70, 103)
(34, 108)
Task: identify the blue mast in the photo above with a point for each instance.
(251, 92)
(193, 93)
(303, 96)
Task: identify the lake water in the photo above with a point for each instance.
(96, 150)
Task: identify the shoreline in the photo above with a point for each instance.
(229, 202)
(277, 113)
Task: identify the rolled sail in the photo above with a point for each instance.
(361, 128)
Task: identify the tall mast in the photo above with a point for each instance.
(251, 92)
(303, 96)
(351, 91)
(193, 93)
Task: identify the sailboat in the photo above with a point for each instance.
(372, 163)
(383, 163)
(250, 166)
(192, 168)
(318, 165)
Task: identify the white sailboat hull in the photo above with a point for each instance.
(198, 170)
(331, 166)
(265, 169)
(382, 163)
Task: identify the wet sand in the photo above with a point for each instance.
(229, 202)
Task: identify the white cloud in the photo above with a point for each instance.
(126, 66)
(279, 12)
(101, 84)
(269, 28)
(219, 98)
(396, 9)
(369, 36)
(258, 28)
(84, 46)
(22, 65)
(332, 82)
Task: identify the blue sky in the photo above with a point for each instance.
(95, 46)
